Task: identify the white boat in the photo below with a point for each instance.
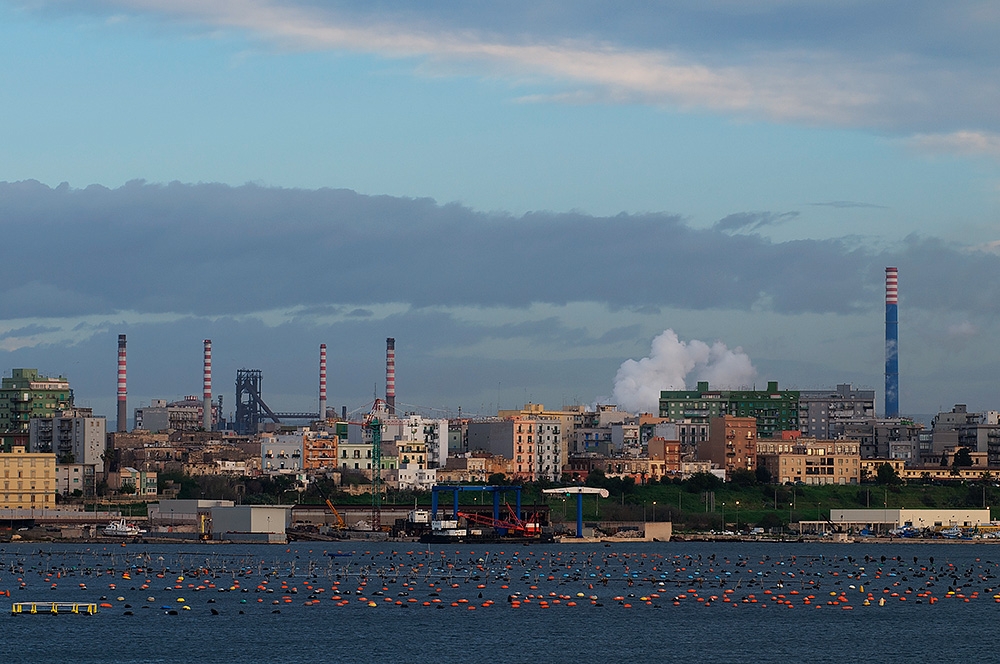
(123, 528)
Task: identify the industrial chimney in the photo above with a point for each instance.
(322, 382)
(206, 415)
(390, 375)
(122, 425)
(891, 343)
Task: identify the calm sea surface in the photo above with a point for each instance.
(644, 608)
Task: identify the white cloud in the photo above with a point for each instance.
(968, 143)
(776, 82)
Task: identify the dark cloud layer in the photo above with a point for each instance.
(215, 249)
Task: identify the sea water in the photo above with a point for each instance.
(407, 602)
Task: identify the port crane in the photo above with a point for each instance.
(374, 425)
(341, 524)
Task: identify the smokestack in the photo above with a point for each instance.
(122, 426)
(322, 381)
(891, 343)
(390, 375)
(343, 413)
(207, 395)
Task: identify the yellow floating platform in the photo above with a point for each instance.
(52, 608)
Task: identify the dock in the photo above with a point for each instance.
(53, 608)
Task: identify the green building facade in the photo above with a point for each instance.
(775, 410)
(26, 395)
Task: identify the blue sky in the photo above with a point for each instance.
(550, 185)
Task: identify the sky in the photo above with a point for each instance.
(548, 201)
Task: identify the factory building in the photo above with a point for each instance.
(26, 395)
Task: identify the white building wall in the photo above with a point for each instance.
(282, 453)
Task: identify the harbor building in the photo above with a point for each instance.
(26, 395)
(885, 519)
(29, 479)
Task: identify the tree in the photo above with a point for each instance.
(962, 458)
(743, 478)
(886, 475)
(762, 474)
(701, 482)
(497, 479)
(127, 488)
(770, 520)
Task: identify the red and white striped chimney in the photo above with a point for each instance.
(206, 415)
(322, 382)
(390, 375)
(122, 425)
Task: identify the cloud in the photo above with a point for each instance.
(638, 383)
(962, 330)
(211, 249)
(925, 68)
(848, 204)
(751, 221)
(215, 250)
(967, 143)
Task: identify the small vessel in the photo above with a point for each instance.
(123, 528)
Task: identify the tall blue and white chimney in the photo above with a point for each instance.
(891, 342)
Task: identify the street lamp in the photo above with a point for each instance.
(737, 516)
(723, 516)
(654, 511)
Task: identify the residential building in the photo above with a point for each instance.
(811, 461)
(417, 479)
(282, 453)
(29, 479)
(184, 415)
(433, 433)
(73, 477)
(464, 469)
(823, 414)
(960, 428)
(887, 438)
(775, 410)
(664, 458)
(26, 395)
(73, 435)
(319, 449)
(552, 457)
(142, 483)
(732, 443)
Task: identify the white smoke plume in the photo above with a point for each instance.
(638, 383)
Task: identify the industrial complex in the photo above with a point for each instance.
(57, 456)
